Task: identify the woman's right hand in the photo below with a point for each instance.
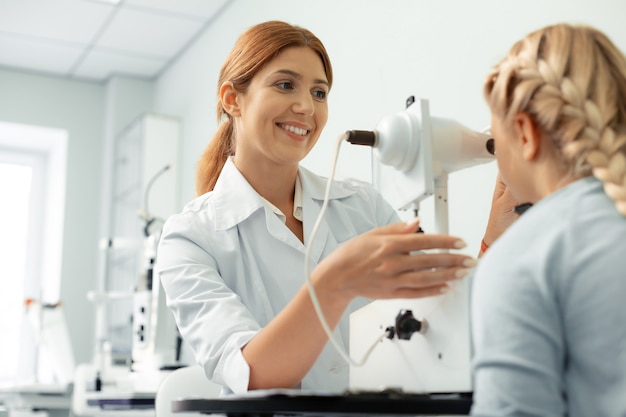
(383, 264)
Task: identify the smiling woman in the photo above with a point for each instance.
(237, 73)
(233, 262)
(285, 112)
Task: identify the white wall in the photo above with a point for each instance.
(382, 52)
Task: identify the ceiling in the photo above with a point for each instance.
(92, 40)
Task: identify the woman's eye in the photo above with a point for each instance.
(285, 85)
(320, 94)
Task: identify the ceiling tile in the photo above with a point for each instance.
(40, 56)
(202, 9)
(139, 36)
(101, 64)
(64, 20)
(148, 34)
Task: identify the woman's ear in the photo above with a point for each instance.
(529, 135)
(228, 97)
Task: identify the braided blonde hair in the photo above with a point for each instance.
(571, 80)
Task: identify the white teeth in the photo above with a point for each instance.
(293, 129)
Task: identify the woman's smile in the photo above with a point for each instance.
(294, 129)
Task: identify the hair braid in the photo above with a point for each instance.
(572, 81)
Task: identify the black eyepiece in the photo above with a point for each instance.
(491, 146)
(362, 137)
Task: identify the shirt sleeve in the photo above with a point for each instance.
(210, 316)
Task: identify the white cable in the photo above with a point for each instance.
(314, 300)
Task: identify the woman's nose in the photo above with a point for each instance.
(304, 104)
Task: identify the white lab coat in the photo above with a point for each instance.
(229, 264)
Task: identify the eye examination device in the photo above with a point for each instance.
(427, 348)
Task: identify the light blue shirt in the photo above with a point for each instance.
(229, 264)
(549, 311)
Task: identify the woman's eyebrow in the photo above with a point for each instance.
(299, 76)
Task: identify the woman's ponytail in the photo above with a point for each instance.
(214, 157)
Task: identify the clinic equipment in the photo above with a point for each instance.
(422, 151)
(427, 347)
(107, 386)
(155, 341)
(155, 338)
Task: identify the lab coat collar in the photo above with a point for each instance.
(315, 186)
(235, 200)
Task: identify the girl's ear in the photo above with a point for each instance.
(228, 97)
(529, 135)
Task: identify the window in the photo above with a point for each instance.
(32, 185)
(14, 226)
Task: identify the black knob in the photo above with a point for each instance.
(406, 324)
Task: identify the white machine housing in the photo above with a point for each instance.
(155, 336)
(436, 361)
(422, 150)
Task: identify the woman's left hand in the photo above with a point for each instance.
(502, 213)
